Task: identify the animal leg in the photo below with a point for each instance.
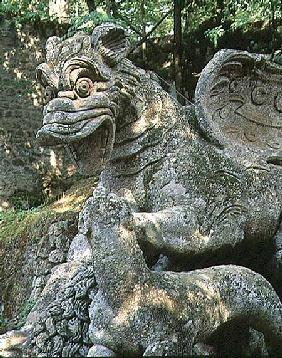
(177, 230)
(249, 296)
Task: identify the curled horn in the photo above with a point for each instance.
(111, 41)
(52, 48)
(46, 76)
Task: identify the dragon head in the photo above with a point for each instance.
(85, 90)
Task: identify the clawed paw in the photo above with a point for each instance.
(104, 208)
(111, 209)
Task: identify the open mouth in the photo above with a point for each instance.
(88, 134)
(93, 151)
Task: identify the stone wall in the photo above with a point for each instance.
(28, 263)
(32, 244)
(26, 169)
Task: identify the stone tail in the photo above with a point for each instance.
(250, 296)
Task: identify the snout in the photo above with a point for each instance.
(59, 104)
(69, 118)
(65, 104)
(63, 123)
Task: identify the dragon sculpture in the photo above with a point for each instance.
(180, 183)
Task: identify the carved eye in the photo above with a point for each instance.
(48, 94)
(83, 87)
(260, 95)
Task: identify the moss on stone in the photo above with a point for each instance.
(19, 232)
(18, 223)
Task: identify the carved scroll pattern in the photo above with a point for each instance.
(245, 99)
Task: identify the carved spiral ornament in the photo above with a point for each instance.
(239, 97)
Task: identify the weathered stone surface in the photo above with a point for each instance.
(51, 251)
(172, 182)
(56, 256)
(60, 318)
(25, 267)
(100, 351)
(11, 343)
(80, 249)
(174, 175)
(239, 104)
(256, 344)
(136, 308)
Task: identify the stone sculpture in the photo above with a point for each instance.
(195, 181)
(176, 181)
(138, 311)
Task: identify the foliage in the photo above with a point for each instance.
(214, 18)
(233, 14)
(87, 22)
(147, 14)
(23, 200)
(253, 25)
(24, 311)
(222, 19)
(25, 11)
(18, 223)
(3, 323)
(215, 34)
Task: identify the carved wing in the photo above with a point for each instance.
(239, 101)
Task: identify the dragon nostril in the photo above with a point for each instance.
(63, 104)
(49, 94)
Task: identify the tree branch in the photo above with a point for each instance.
(150, 32)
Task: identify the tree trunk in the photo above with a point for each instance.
(148, 34)
(142, 10)
(91, 5)
(178, 5)
(114, 9)
(188, 52)
(111, 8)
